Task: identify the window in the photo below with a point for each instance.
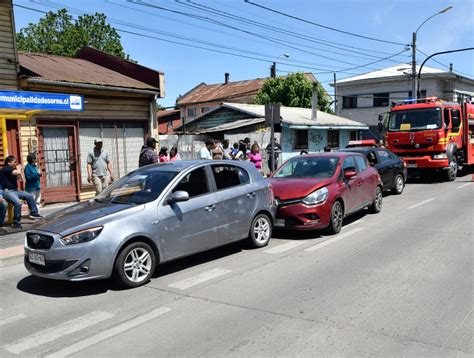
(194, 183)
(349, 102)
(353, 135)
(349, 164)
(301, 139)
(308, 167)
(421, 94)
(205, 109)
(372, 158)
(447, 117)
(380, 99)
(122, 141)
(333, 138)
(361, 163)
(192, 112)
(227, 176)
(383, 155)
(456, 120)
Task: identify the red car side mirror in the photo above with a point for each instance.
(348, 174)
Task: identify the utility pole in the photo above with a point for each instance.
(414, 95)
(273, 70)
(335, 96)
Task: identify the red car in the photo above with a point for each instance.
(316, 191)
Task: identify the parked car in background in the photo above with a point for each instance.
(391, 168)
(317, 191)
(154, 214)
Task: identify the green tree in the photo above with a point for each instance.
(59, 34)
(294, 90)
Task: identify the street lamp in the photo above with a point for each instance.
(273, 68)
(413, 55)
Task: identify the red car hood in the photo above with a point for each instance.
(292, 188)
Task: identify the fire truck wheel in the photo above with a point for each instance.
(399, 184)
(452, 171)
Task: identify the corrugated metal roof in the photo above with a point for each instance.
(75, 70)
(297, 116)
(226, 91)
(394, 71)
(232, 125)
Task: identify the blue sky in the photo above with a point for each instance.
(264, 35)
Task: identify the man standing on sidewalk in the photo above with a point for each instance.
(98, 163)
(9, 176)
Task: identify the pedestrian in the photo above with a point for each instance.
(272, 164)
(227, 149)
(255, 157)
(98, 164)
(148, 154)
(205, 152)
(174, 155)
(163, 155)
(32, 178)
(242, 153)
(217, 152)
(9, 176)
(235, 150)
(3, 212)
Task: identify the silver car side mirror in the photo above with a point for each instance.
(178, 196)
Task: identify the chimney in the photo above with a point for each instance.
(314, 102)
(450, 67)
(226, 78)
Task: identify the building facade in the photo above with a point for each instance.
(362, 98)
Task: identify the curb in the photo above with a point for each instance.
(11, 255)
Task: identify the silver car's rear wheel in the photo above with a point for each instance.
(135, 264)
(260, 230)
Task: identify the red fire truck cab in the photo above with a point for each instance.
(431, 134)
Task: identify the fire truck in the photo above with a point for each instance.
(430, 134)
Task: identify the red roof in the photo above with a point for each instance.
(75, 70)
(225, 91)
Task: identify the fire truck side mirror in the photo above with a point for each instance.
(380, 117)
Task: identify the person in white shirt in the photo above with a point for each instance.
(205, 152)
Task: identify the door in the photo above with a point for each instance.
(366, 187)
(351, 188)
(385, 167)
(236, 201)
(58, 161)
(189, 226)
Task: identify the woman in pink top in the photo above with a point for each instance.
(174, 154)
(163, 155)
(255, 157)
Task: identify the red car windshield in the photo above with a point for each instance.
(308, 167)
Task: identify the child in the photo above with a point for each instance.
(32, 176)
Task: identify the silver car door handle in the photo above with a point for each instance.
(251, 195)
(210, 207)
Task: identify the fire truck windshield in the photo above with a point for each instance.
(415, 120)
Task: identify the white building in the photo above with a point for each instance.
(362, 98)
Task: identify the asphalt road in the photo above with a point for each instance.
(398, 283)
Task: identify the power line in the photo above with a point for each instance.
(255, 23)
(323, 26)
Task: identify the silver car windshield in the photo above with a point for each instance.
(139, 187)
(308, 167)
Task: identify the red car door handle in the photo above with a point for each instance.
(359, 183)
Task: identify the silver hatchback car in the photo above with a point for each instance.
(152, 215)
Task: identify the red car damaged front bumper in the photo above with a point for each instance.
(293, 214)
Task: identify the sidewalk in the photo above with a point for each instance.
(11, 244)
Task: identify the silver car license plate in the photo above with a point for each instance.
(280, 222)
(35, 258)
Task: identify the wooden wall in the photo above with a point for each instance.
(8, 56)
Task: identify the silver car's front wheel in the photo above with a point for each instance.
(260, 230)
(135, 264)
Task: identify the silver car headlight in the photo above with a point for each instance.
(82, 236)
(440, 156)
(316, 197)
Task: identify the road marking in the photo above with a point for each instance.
(202, 277)
(333, 240)
(109, 333)
(354, 223)
(463, 186)
(51, 334)
(283, 247)
(421, 203)
(12, 319)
